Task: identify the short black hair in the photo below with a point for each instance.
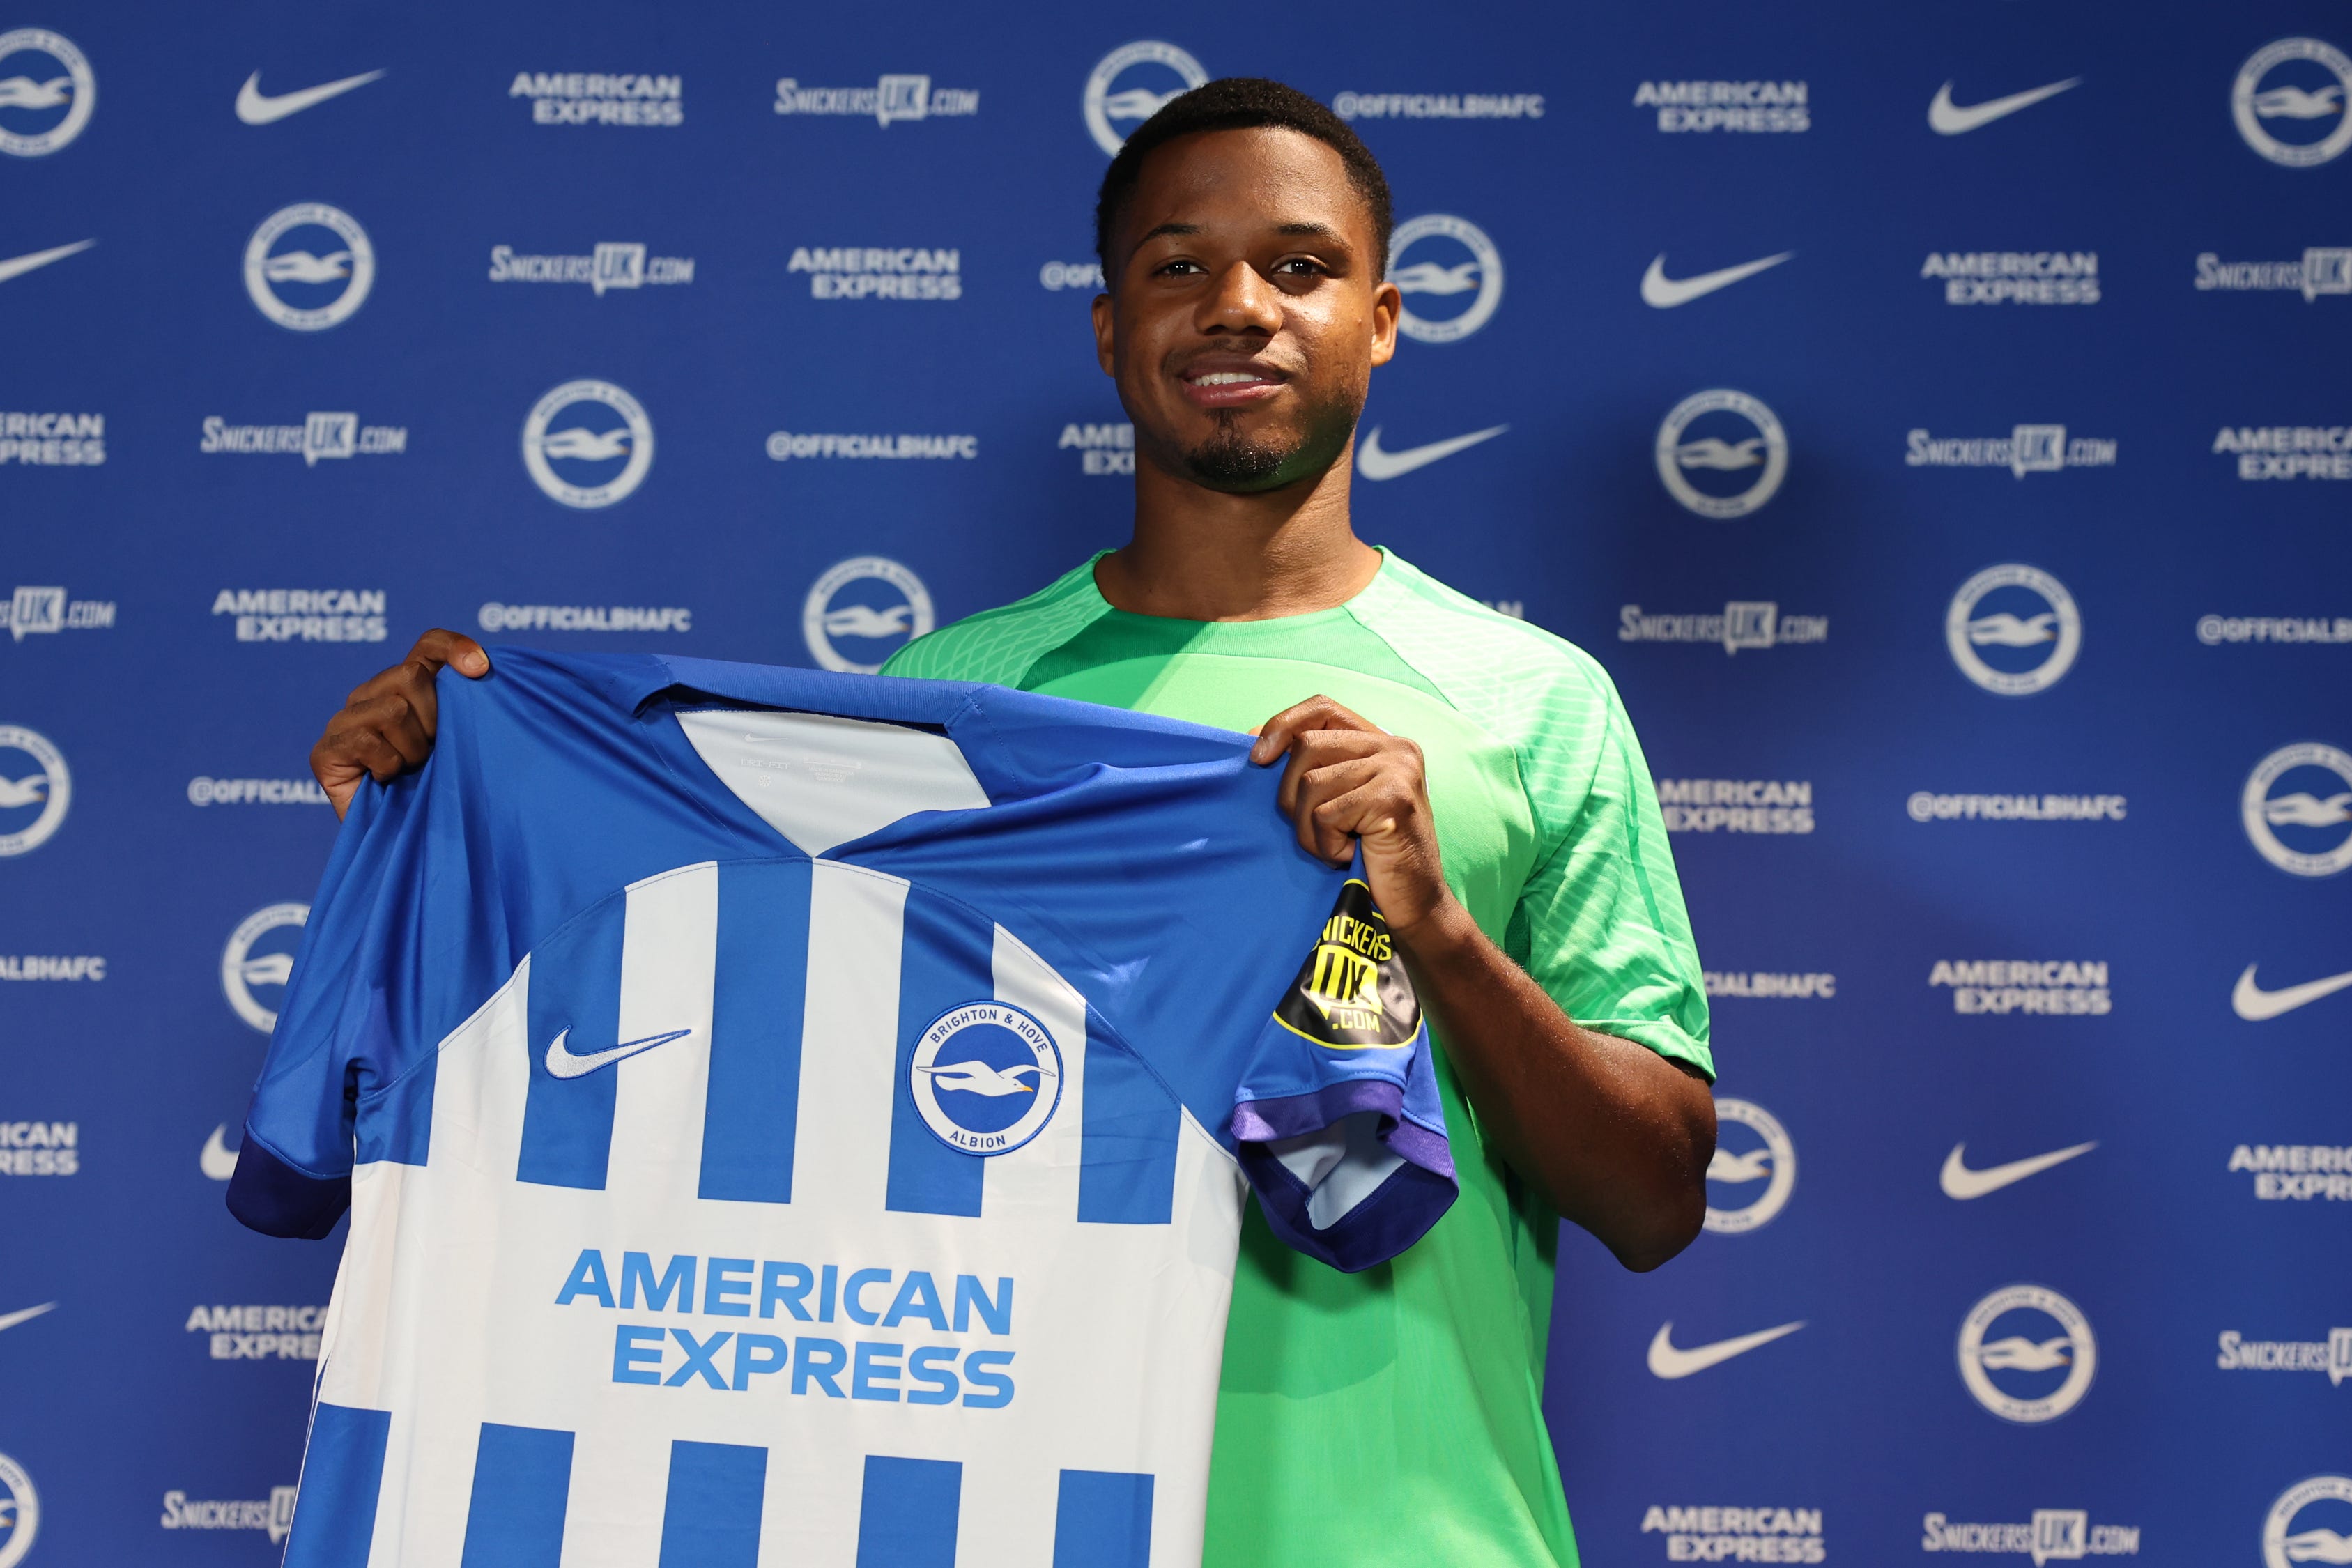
(1241, 103)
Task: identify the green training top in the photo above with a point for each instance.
(1395, 1417)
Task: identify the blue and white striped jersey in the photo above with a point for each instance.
(791, 1118)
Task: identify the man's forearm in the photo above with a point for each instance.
(1615, 1135)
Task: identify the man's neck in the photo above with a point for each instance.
(1200, 555)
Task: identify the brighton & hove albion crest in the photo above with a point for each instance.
(2293, 101)
(309, 267)
(35, 788)
(2027, 1354)
(1755, 1167)
(587, 443)
(1131, 84)
(1721, 453)
(861, 610)
(2311, 1523)
(2014, 630)
(1452, 282)
(986, 1077)
(20, 1512)
(2297, 809)
(46, 91)
(259, 960)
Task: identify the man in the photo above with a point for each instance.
(1514, 841)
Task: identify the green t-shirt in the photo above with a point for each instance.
(1395, 1417)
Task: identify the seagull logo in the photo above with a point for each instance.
(866, 621)
(1666, 1361)
(270, 969)
(2304, 809)
(1949, 118)
(1661, 292)
(2321, 1545)
(1429, 278)
(2278, 103)
(979, 1078)
(564, 1064)
(17, 265)
(588, 446)
(255, 107)
(302, 267)
(24, 1314)
(2008, 631)
(30, 790)
(1755, 1166)
(1962, 1183)
(1714, 452)
(1375, 464)
(2018, 1353)
(217, 1159)
(23, 92)
(2253, 1004)
(1138, 103)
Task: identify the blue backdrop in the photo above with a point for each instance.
(1935, 418)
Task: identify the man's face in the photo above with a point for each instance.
(1246, 310)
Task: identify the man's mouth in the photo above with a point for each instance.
(1230, 386)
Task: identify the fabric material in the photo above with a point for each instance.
(744, 1079)
(1393, 1417)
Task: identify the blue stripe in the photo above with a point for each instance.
(1103, 1518)
(1127, 1169)
(906, 1515)
(342, 1470)
(576, 985)
(711, 1516)
(522, 1478)
(400, 1128)
(753, 1110)
(947, 960)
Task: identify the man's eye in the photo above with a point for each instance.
(1174, 269)
(1298, 266)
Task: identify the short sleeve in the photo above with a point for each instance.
(1336, 1120)
(1602, 925)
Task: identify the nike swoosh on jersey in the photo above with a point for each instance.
(217, 1160)
(255, 107)
(564, 1064)
(10, 1319)
(1666, 1361)
(1661, 292)
(1375, 464)
(1949, 118)
(2253, 1004)
(16, 265)
(1963, 1184)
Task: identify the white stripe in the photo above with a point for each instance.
(620, 1482)
(1041, 1177)
(1006, 1515)
(849, 1042)
(670, 945)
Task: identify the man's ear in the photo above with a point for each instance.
(1388, 304)
(1106, 334)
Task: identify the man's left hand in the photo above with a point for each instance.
(1350, 780)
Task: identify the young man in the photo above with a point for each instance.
(1512, 840)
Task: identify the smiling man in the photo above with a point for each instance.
(1506, 818)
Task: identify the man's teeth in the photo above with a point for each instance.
(1226, 378)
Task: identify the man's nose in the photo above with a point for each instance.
(1242, 301)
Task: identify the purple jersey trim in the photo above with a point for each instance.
(1391, 1217)
(1264, 1120)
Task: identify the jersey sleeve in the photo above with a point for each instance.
(1336, 1120)
(1602, 925)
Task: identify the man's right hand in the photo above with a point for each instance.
(387, 726)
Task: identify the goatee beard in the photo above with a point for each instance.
(1230, 461)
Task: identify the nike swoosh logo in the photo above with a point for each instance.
(2253, 1004)
(1667, 1361)
(10, 1319)
(1949, 118)
(564, 1064)
(255, 107)
(217, 1160)
(1963, 1184)
(1664, 293)
(17, 265)
(1375, 464)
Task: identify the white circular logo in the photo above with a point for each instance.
(242, 969)
(20, 1512)
(1458, 259)
(2325, 1540)
(33, 801)
(605, 445)
(309, 267)
(1742, 1161)
(856, 632)
(2317, 817)
(43, 102)
(2298, 116)
(2027, 637)
(1737, 438)
(1141, 100)
(986, 1077)
(2047, 1374)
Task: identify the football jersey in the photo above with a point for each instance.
(795, 1117)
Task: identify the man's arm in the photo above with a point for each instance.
(386, 726)
(1615, 1135)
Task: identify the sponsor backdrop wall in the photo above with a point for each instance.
(1935, 416)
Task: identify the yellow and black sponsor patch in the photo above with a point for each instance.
(1352, 994)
